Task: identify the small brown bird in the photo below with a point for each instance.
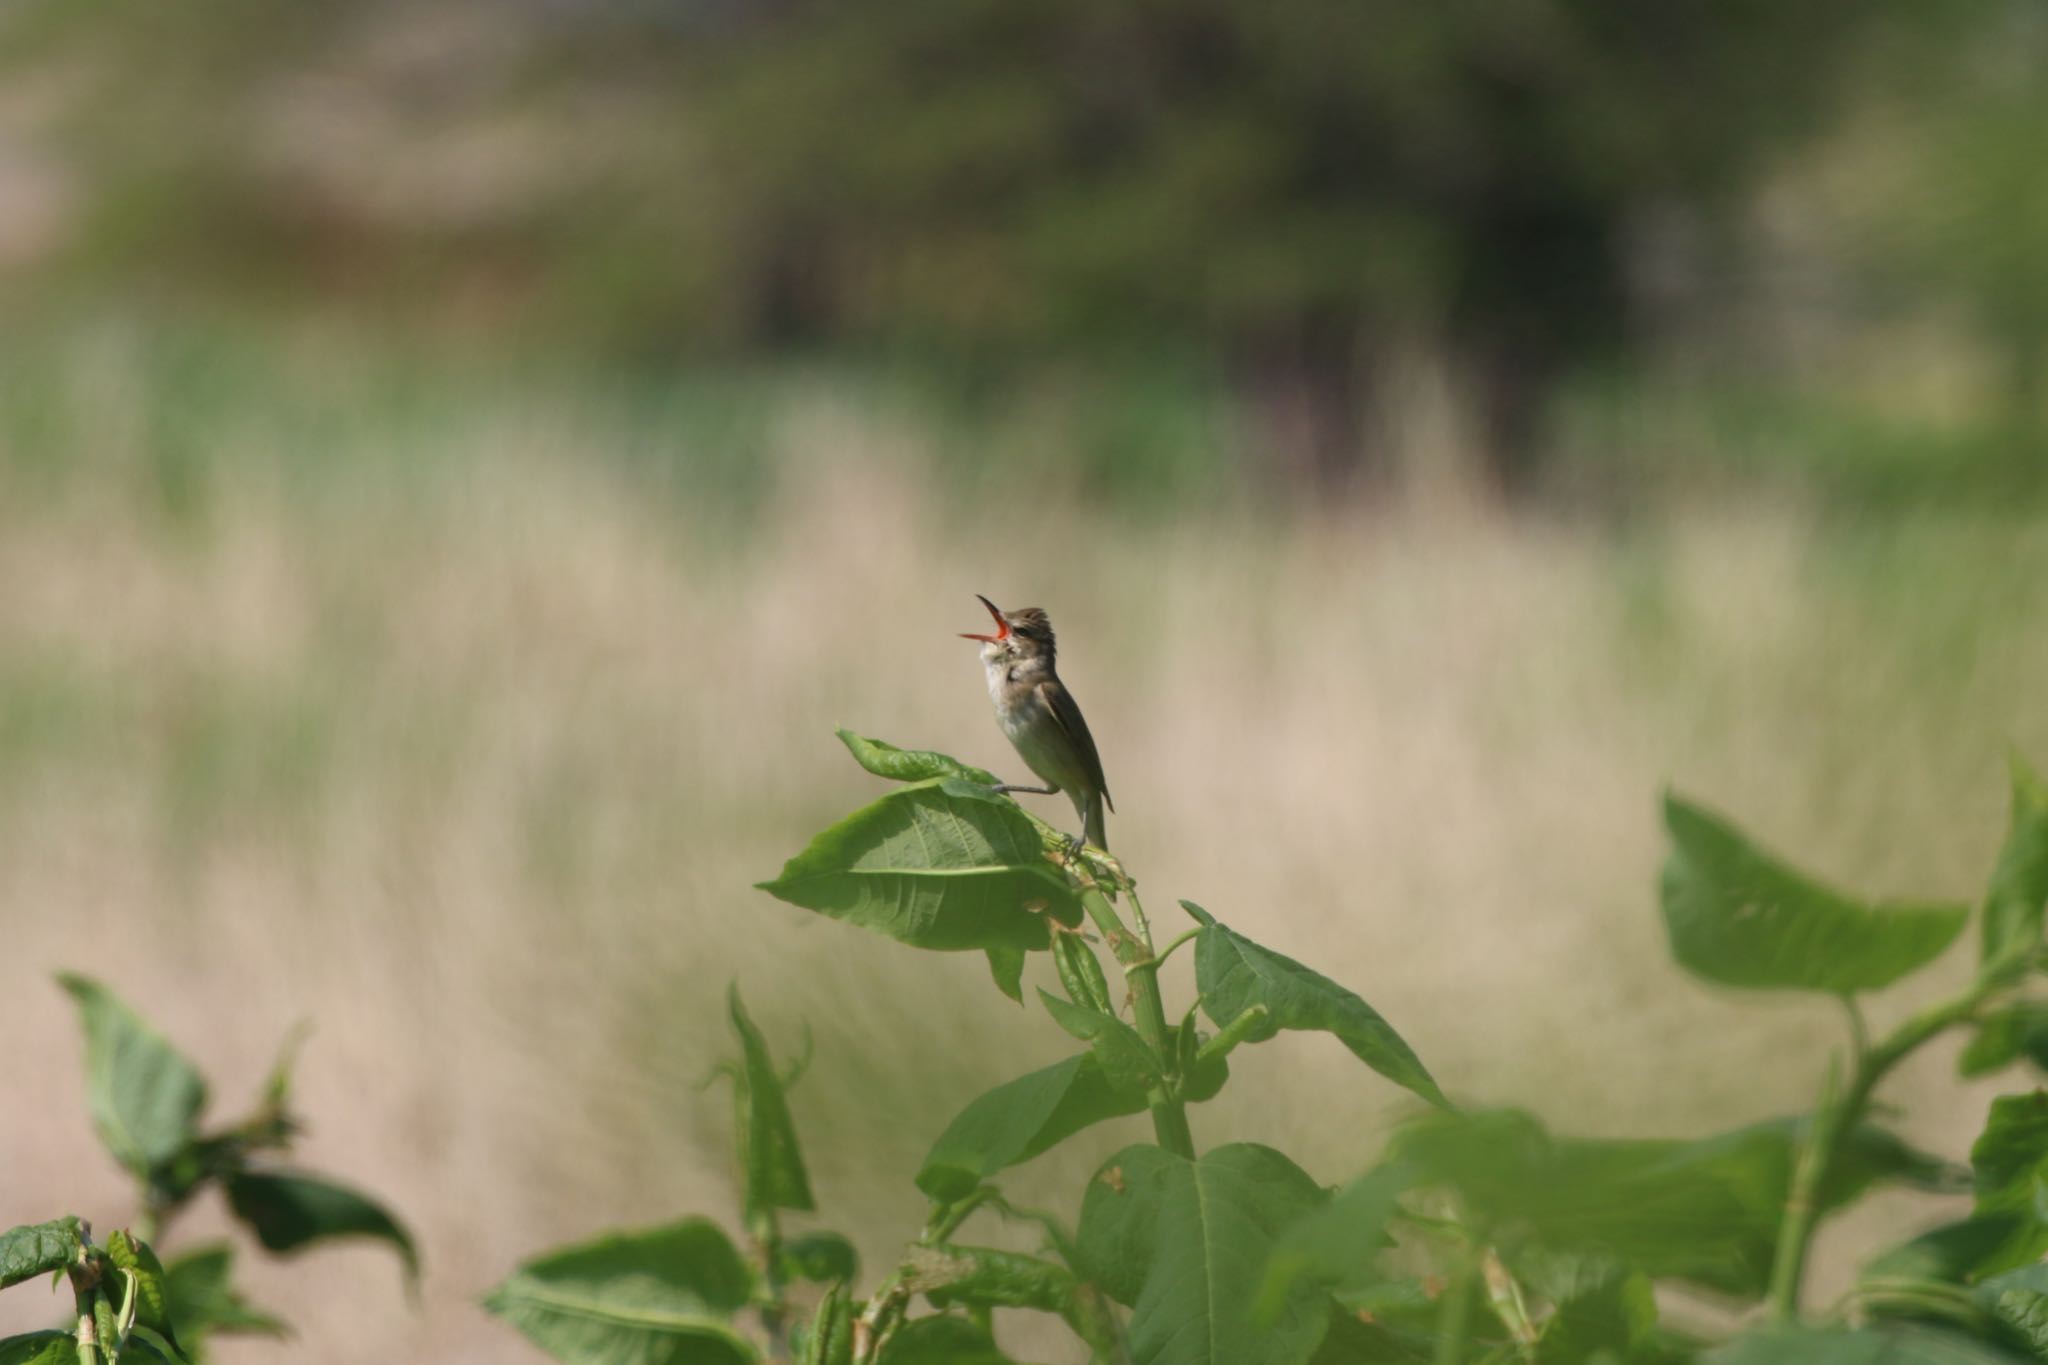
(1041, 718)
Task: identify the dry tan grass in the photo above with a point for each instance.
(473, 767)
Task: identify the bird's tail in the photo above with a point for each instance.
(1093, 827)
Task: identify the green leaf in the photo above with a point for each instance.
(145, 1096)
(944, 865)
(144, 1344)
(1335, 1245)
(2014, 903)
(37, 1248)
(106, 1323)
(771, 1161)
(1952, 1252)
(1705, 1211)
(1862, 1346)
(39, 1348)
(2018, 1299)
(1125, 1060)
(1738, 917)
(1019, 1119)
(1233, 974)
(942, 1341)
(1006, 969)
(829, 1339)
(152, 1297)
(1200, 1078)
(1186, 1244)
(2004, 1036)
(277, 1086)
(824, 1257)
(1081, 973)
(288, 1210)
(909, 765)
(202, 1298)
(655, 1296)
(2011, 1163)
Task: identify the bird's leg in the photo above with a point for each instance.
(1005, 788)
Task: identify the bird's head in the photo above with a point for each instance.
(1024, 633)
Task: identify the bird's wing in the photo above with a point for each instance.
(1061, 703)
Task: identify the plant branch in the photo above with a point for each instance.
(1148, 1014)
(1159, 958)
(1842, 1107)
(947, 1218)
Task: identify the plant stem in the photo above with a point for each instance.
(770, 1302)
(1141, 969)
(1842, 1108)
(1453, 1309)
(1508, 1305)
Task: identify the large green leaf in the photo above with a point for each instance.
(37, 1248)
(39, 1348)
(1739, 917)
(655, 1296)
(909, 765)
(145, 1096)
(1019, 1119)
(1858, 1346)
(2010, 1159)
(941, 1341)
(1233, 974)
(1186, 1243)
(288, 1210)
(2014, 904)
(772, 1164)
(942, 864)
(1705, 1211)
(199, 1287)
(1125, 1060)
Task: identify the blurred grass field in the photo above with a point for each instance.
(455, 708)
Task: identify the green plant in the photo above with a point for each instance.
(146, 1101)
(1481, 1236)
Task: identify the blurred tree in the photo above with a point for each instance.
(1296, 192)
(1296, 184)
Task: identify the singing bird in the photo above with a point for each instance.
(1040, 717)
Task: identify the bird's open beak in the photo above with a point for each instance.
(1002, 626)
